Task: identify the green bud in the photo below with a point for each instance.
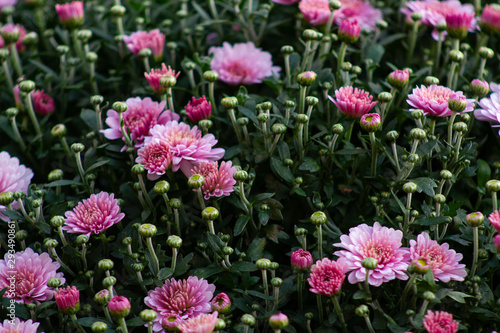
(211, 76)
(369, 263)
(227, 250)
(6, 198)
(174, 241)
(392, 136)
(263, 264)
(346, 66)
(102, 297)
(460, 127)
(21, 235)
(276, 282)
(240, 175)
(318, 218)
(456, 56)
(429, 296)
(54, 282)
(288, 162)
(229, 102)
(440, 198)
(221, 324)
(475, 219)
(118, 11)
(210, 214)
(77, 147)
(175, 203)
(362, 311)
(312, 101)
(106, 264)
(263, 117)
(50, 243)
(486, 52)
(168, 81)
(147, 230)
(57, 221)
(309, 34)
(417, 134)
(11, 112)
(205, 124)
(413, 158)
(56, 174)
(243, 121)
(300, 232)
(99, 327)
(416, 16)
(289, 104)
(410, 187)
(127, 241)
(381, 24)
(27, 86)
(161, 187)
(109, 281)
(82, 239)
(148, 315)
(493, 185)
(385, 97)
(302, 118)
(430, 80)
(274, 266)
(286, 50)
(196, 181)
(248, 319)
(306, 79)
(119, 107)
(137, 267)
(417, 114)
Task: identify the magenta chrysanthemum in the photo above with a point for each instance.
(13, 177)
(381, 243)
(327, 276)
(42, 103)
(198, 109)
(494, 219)
(359, 10)
(156, 158)
(301, 260)
(204, 323)
(31, 273)
(71, 14)
(18, 326)
(68, 299)
(139, 119)
(442, 260)
(433, 100)
(440, 322)
(489, 108)
(153, 40)
(490, 19)
(155, 75)
(219, 181)
(315, 11)
(93, 215)
(242, 63)
(353, 102)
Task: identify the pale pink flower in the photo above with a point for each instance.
(93, 215)
(155, 75)
(242, 63)
(187, 145)
(153, 40)
(286, 2)
(440, 322)
(489, 108)
(198, 109)
(68, 299)
(315, 11)
(10, 30)
(494, 219)
(156, 158)
(204, 323)
(13, 177)
(442, 260)
(433, 100)
(301, 260)
(490, 19)
(139, 119)
(327, 276)
(221, 303)
(381, 243)
(42, 103)
(278, 321)
(219, 181)
(353, 102)
(18, 326)
(5, 3)
(31, 273)
(361, 11)
(71, 14)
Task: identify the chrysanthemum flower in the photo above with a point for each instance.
(18, 326)
(301, 260)
(153, 40)
(204, 323)
(349, 31)
(68, 299)
(71, 14)
(42, 103)
(155, 75)
(156, 158)
(440, 322)
(139, 119)
(399, 78)
(119, 307)
(442, 260)
(433, 100)
(315, 11)
(359, 10)
(171, 322)
(198, 109)
(494, 219)
(219, 181)
(496, 242)
(93, 215)
(489, 109)
(242, 63)
(5, 3)
(490, 19)
(381, 243)
(458, 23)
(31, 273)
(353, 102)
(327, 276)
(13, 177)
(14, 33)
(221, 303)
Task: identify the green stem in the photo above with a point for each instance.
(287, 70)
(266, 286)
(144, 190)
(300, 141)
(412, 42)
(174, 258)
(302, 99)
(320, 241)
(6, 71)
(408, 286)
(450, 127)
(340, 61)
(31, 112)
(369, 324)
(475, 238)
(79, 165)
(300, 282)
(437, 55)
(123, 325)
(494, 200)
(211, 97)
(149, 243)
(482, 65)
(339, 312)
(16, 61)
(373, 143)
(235, 125)
(78, 326)
(211, 229)
(17, 134)
(128, 141)
(320, 308)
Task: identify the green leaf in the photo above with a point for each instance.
(310, 165)
(215, 242)
(205, 272)
(360, 294)
(263, 218)
(89, 117)
(240, 225)
(433, 220)
(62, 182)
(426, 148)
(375, 52)
(280, 169)
(97, 164)
(350, 151)
(256, 248)
(483, 173)
(458, 296)
(262, 196)
(244, 266)
(426, 185)
(259, 294)
(165, 273)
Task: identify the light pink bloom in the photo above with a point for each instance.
(93, 215)
(359, 10)
(221, 303)
(5, 3)
(353, 102)
(496, 241)
(242, 63)
(153, 40)
(156, 158)
(442, 260)
(489, 108)
(349, 31)
(18, 326)
(155, 75)
(68, 299)
(187, 145)
(433, 100)
(490, 19)
(13, 177)
(327, 276)
(31, 273)
(71, 14)
(204, 323)
(301, 260)
(381, 243)
(315, 11)
(399, 78)
(198, 109)
(12, 30)
(494, 219)
(286, 2)
(440, 322)
(42, 103)
(119, 306)
(219, 181)
(139, 119)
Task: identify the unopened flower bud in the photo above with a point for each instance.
(430, 80)
(392, 136)
(460, 127)
(50, 243)
(318, 218)
(240, 175)
(243, 121)
(263, 264)
(11, 112)
(493, 185)
(349, 31)
(276, 282)
(82, 239)
(91, 57)
(6, 198)
(161, 187)
(137, 267)
(479, 88)
(312, 101)
(440, 198)
(57, 221)
(118, 11)
(429, 296)
(174, 241)
(148, 315)
(346, 66)
(278, 321)
(417, 134)
(105, 264)
(486, 52)
(475, 219)
(410, 187)
(119, 107)
(54, 282)
(196, 181)
(109, 281)
(385, 97)
(369, 263)
(211, 76)
(306, 79)
(413, 158)
(229, 102)
(456, 56)
(287, 50)
(302, 118)
(370, 122)
(309, 34)
(77, 147)
(248, 319)
(362, 311)
(119, 307)
(289, 104)
(27, 86)
(263, 118)
(21, 235)
(175, 203)
(210, 214)
(147, 230)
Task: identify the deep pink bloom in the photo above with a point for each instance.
(119, 306)
(381, 243)
(156, 158)
(327, 276)
(15, 33)
(221, 303)
(93, 215)
(370, 122)
(68, 299)
(5, 3)
(187, 145)
(278, 321)
(13, 177)
(198, 109)
(315, 11)
(496, 241)
(489, 108)
(433, 100)
(31, 273)
(242, 63)
(353, 102)
(301, 260)
(155, 75)
(71, 14)
(349, 31)
(359, 10)
(153, 40)
(442, 260)
(399, 78)
(458, 23)
(204, 323)
(139, 119)
(42, 103)
(440, 322)
(18, 326)
(286, 2)
(490, 19)
(219, 181)
(494, 219)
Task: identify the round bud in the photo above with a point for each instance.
(309, 34)
(300, 232)
(475, 219)
(102, 297)
(289, 104)
(381, 24)
(337, 129)
(91, 57)
(109, 281)
(410, 187)
(161, 187)
(278, 128)
(460, 127)
(127, 241)
(171, 46)
(21, 235)
(105, 264)
(56, 174)
(493, 185)
(413, 158)
(334, 4)
(174, 241)
(441, 26)
(486, 52)
(6, 198)
(50, 242)
(229, 102)
(392, 136)
(175, 203)
(27, 86)
(456, 56)
(362, 311)
(417, 114)
(385, 97)
(280, 320)
(263, 264)
(227, 250)
(138, 169)
(440, 198)
(137, 267)
(446, 174)
(263, 117)
(318, 218)
(147, 230)
(302, 118)
(240, 175)
(248, 319)
(483, 254)
(287, 50)
(57, 221)
(119, 107)
(276, 282)
(479, 88)
(89, 274)
(430, 80)
(288, 162)
(77, 147)
(11, 112)
(464, 117)
(416, 16)
(54, 282)
(168, 81)
(429, 296)
(243, 121)
(312, 101)
(299, 180)
(31, 38)
(19, 195)
(118, 11)
(148, 315)
(84, 35)
(417, 134)
(369, 263)
(211, 76)
(82, 239)
(346, 66)
(210, 214)
(306, 79)
(221, 324)
(274, 266)
(37, 203)
(196, 181)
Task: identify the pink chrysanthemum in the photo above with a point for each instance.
(156, 158)
(219, 181)
(42, 103)
(440, 322)
(187, 298)
(13, 177)
(381, 243)
(18, 326)
(496, 242)
(119, 307)
(31, 273)
(489, 108)
(93, 215)
(139, 119)
(221, 303)
(359, 10)
(10, 30)
(71, 14)
(315, 11)
(301, 260)
(187, 145)
(171, 322)
(442, 260)
(349, 31)
(198, 109)
(327, 276)
(68, 299)
(353, 102)
(494, 219)
(242, 63)
(399, 78)
(155, 75)
(5, 3)
(204, 323)
(153, 40)
(458, 23)
(433, 100)
(490, 19)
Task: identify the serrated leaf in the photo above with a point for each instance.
(433, 220)
(426, 185)
(426, 148)
(281, 170)
(240, 225)
(244, 266)
(256, 248)
(215, 242)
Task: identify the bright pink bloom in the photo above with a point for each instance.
(156, 158)
(494, 219)
(139, 119)
(155, 75)
(71, 14)
(93, 215)
(440, 322)
(496, 241)
(490, 19)
(119, 307)
(13, 177)
(349, 31)
(242, 63)
(381, 243)
(442, 260)
(187, 145)
(327, 276)
(18, 326)
(204, 323)
(286, 2)
(221, 303)
(433, 100)
(353, 102)
(42, 103)
(301, 260)
(198, 109)
(68, 299)
(5, 3)
(315, 11)
(399, 78)
(31, 273)
(15, 33)
(359, 10)
(370, 122)
(219, 181)
(153, 40)
(457, 23)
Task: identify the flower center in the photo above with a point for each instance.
(379, 250)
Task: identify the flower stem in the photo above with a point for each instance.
(78, 326)
(149, 243)
(300, 282)
(123, 325)
(320, 308)
(475, 239)
(340, 61)
(31, 112)
(174, 258)
(235, 124)
(437, 55)
(373, 143)
(8, 76)
(79, 165)
(450, 127)
(16, 61)
(17, 134)
(412, 42)
(211, 97)
(338, 310)
(288, 80)
(407, 289)
(320, 241)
